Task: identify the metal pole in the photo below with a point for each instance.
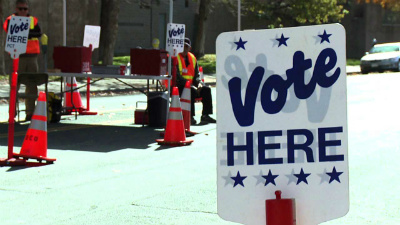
(64, 36)
(13, 98)
(171, 16)
(239, 9)
(151, 22)
(171, 10)
(65, 22)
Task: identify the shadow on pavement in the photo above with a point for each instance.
(29, 165)
(92, 138)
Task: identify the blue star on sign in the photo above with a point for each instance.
(238, 179)
(325, 37)
(240, 44)
(282, 40)
(334, 175)
(302, 177)
(270, 178)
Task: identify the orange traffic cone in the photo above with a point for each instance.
(175, 131)
(35, 142)
(186, 108)
(74, 102)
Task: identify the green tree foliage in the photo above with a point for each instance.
(281, 13)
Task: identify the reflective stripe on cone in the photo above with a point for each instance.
(186, 105)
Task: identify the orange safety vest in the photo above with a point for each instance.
(187, 71)
(33, 46)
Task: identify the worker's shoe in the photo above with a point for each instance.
(193, 121)
(207, 119)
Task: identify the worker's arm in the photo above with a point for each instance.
(197, 82)
(36, 32)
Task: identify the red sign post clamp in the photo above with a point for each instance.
(11, 161)
(280, 211)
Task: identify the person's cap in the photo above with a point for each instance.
(187, 42)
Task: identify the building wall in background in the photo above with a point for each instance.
(220, 20)
(141, 21)
(366, 22)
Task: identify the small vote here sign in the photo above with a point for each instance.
(282, 122)
(17, 36)
(91, 36)
(175, 38)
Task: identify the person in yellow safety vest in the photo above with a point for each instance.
(28, 62)
(187, 69)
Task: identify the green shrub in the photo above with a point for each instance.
(121, 60)
(208, 62)
(353, 62)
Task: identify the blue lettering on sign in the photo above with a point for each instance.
(176, 32)
(15, 28)
(17, 39)
(248, 148)
(244, 112)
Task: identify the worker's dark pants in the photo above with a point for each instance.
(205, 94)
(28, 64)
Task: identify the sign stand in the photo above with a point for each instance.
(91, 39)
(11, 161)
(16, 42)
(87, 111)
(280, 211)
(13, 97)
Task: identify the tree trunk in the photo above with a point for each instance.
(109, 29)
(204, 10)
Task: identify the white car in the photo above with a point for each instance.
(381, 57)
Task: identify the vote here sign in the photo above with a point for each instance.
(91, 36)
(175, 38)
(282, 122)
(17, 36)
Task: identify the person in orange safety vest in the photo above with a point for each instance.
(28, 62)
(187, 69)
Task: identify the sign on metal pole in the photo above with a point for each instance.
(91, 36)
(16, 42)
(175, 38)
(282, 122)
(17, 36)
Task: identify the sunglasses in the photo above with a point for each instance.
(22, 8)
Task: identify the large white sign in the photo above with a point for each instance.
(282, 122)
(91, 36)
(17, 36)
(175, 38)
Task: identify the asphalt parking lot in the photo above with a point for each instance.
(138, 182)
